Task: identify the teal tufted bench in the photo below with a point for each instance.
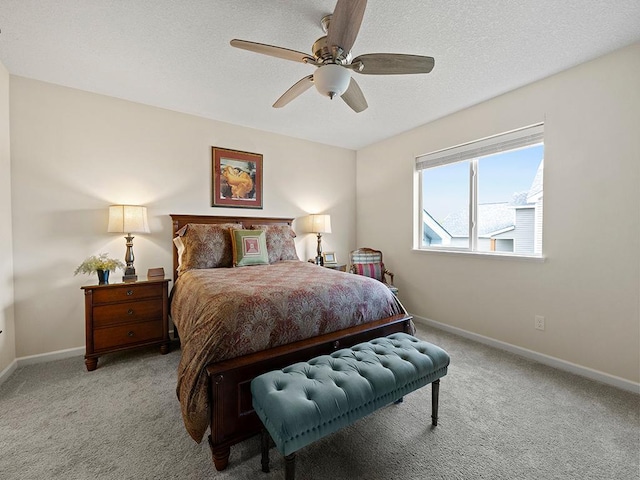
(309, 400)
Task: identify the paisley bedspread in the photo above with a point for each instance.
(224, 313)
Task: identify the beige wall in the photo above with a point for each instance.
(589, 286)
(74, 153)
(7, 325)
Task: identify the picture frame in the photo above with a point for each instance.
(236, 178)
(329, 258)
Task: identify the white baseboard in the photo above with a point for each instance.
(538, 357)
(6, 373)
(524, 352)
(45, 357)
(40, 358)
(50, 356)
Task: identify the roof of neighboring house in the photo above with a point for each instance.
(491, 218)
(535, 191)
(432, 228)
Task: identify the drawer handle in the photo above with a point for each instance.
(129, 293)
(130, 312)
(130, 334)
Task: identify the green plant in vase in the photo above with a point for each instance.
(101, 264)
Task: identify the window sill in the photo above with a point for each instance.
(500, 256)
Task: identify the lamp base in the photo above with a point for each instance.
(130, 271)
(319, 259)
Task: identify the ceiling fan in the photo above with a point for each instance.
(332, 57)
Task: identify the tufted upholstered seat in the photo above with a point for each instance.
(309, 400)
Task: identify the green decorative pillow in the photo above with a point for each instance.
(249, 247)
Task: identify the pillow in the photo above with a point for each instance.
(372, 270)
(249, 247)
(177, 241)
(280, 242)
(204, 246)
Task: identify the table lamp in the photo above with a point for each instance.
(128, 219)
(320, 224)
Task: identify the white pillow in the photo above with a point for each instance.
(177, 241)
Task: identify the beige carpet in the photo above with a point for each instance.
(501, 417)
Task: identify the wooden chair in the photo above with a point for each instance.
(368, 262)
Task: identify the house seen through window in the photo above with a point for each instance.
(484, 196)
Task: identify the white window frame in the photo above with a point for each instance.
(472, 152)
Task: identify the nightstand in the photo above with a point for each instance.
(120, 316)
(342, 268)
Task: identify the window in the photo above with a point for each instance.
(484, 196)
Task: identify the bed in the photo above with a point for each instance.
(236, 323)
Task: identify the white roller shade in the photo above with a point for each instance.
(524, 137)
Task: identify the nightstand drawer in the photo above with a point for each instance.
(127, 312)
(126, 293)
(122, 335)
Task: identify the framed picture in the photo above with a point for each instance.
(329, 258)
(236, 178)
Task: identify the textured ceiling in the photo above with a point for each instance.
(176, 55)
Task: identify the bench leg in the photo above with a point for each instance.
(435, 390)
(290, 467)
(265, 450)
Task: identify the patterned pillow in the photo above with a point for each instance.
(280, 243)
(205, 246)
(372, 270)
(249, 247)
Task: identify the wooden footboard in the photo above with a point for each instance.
(232, 417)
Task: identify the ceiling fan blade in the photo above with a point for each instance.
(298, 88)
(271, 50)
(354, 97)
(345, 23)
(393, 64)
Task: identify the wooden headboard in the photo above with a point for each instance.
(180, 221)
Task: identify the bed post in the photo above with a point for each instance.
(219, 453)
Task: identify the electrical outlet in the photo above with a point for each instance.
(539, 322)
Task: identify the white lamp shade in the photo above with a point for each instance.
(320, 223)
(331, 80)
(128, 219)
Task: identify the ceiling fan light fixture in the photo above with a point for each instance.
(331, 55)
(331, 80)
